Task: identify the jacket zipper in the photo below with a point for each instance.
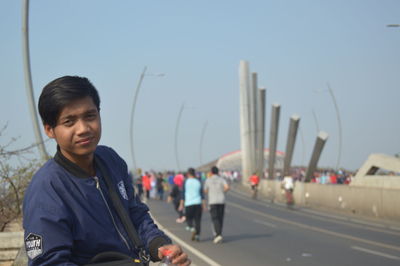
(109, 211)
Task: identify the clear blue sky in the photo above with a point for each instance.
(296, 47)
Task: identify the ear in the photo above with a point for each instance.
(49, 131)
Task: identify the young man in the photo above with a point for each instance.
(216, 187)
(68, 214)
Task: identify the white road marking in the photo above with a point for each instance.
(374, 252)
(264, 223)
(323, 217)
(393, 227)
(317, 229)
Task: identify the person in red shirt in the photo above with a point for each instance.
(146, 184)
(333, 178)
(254, 181)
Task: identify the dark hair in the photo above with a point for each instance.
(191, 172)
(60, 92)
(214, 170)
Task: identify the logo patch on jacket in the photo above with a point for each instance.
(33, 245)
(122, 190)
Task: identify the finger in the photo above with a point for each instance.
(174, 249)
(187, 263)
(180, 259)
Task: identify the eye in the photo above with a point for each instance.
(91, 116)
(68, 122)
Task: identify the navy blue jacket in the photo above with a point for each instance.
(69, 217)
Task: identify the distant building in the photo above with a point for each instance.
(233, 161)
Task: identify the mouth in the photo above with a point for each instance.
(84, 141)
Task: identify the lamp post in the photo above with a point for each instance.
(135, 98)
(339, 124)
(203, 131)
(304, 146)
(315, 120)
(28, 79)
(178, 121)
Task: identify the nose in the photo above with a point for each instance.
(82, 127)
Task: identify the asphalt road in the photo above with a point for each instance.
(257, 232)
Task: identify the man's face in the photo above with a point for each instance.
(78, 130)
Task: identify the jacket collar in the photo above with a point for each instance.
(71, 167)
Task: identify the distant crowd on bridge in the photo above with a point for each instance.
(322, 176)
(156, 184)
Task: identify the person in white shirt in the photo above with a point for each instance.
(216, 187)
(288, 185)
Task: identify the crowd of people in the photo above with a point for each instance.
(323, 176)
(320, 176)
(191, 193)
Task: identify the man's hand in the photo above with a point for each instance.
(177, 255)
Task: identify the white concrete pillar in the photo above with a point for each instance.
(245, 143)
(273, 139)
(260, 131)
(254, 126)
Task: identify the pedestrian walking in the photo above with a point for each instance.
(139, 188)
(146, 185)
(254, 181)
(216, 187)
(175, 197)
(193, 201)
(288, 185)
(160, 186)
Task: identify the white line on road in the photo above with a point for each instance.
(375, 253)
(264, 223)
(339, 220)
(375, 224)
(200, 255)
(317, 229)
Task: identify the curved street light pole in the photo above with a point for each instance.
(339, 126)
(135, 99)
(304, 146)
(315, 120)
(132, 116)
(28, 79)
(203, 131)
(338, 121)
(176, 135)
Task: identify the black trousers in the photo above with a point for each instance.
(193, 214)
(176, 206)
(217, 217)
